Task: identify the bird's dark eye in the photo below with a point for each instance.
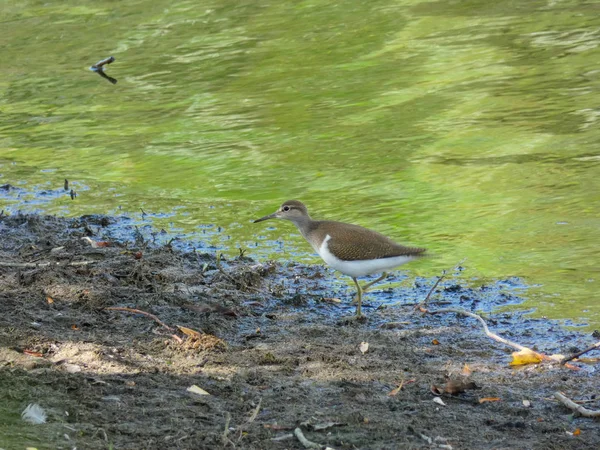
(286, 208)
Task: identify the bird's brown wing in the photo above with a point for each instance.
(347, 243)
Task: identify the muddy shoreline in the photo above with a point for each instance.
(273, 352)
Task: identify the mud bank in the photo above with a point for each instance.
(271, 348)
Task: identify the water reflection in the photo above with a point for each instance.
(466, 127)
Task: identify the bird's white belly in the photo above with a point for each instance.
(361, 267)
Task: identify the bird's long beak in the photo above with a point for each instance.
(267, 217)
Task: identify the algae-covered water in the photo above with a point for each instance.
(468, 127)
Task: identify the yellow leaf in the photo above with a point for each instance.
(49, 300)
(435, 342)
(577, 432)
(525, 356)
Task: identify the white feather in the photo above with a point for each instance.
(34, 414)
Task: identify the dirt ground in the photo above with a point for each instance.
(272, 350)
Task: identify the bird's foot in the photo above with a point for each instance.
(350, 320)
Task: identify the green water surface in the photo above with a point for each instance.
(468, 127)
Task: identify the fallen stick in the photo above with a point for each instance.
(422, 304)
(224, 437)
(305, 442)
(575, 407)
(252, 417)
(283, 437)
(46, 264)
(578, 354)
(486, 330)
(144, 313)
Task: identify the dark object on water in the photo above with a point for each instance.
(66, 184)
(73, 194)
(104, 61)
(99, 68)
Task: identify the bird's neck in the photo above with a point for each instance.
(304, 225)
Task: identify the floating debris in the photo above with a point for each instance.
(99, 68)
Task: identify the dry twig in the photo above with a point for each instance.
(224, 438)
(46, 264)
(578, 354)
(486, 330)
(255, 412)
(575, 407)
(144, 313)
(305, 442)
(424, 302)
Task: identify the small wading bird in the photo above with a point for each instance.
(353, 250)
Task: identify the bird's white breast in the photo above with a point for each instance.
(360, 268)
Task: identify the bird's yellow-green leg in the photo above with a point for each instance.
(368, 285)
(358, 296)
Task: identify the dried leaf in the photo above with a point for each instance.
(403, 383)
(50, 300)
(326, 425)
(197, 390)
(74, 327)
(489, 399)
(577, 432)
(454, 387)
(439, 401)
(525, 356)
(435, 390)
(32, 353)
(364, 347)
(393, 325)
(395, 391)
(331, 300)
(466, 371)
(435, 342)
(189, 332)
(253, 303)
(277, 427)
(72, 368)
